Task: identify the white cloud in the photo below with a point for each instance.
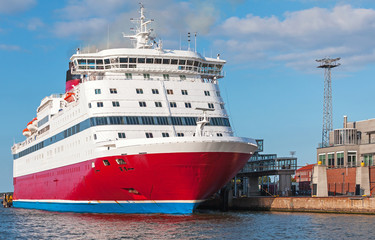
(9, 47)
(14, 6)
(302, 36)
(34, 24)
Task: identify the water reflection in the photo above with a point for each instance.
(34, 224)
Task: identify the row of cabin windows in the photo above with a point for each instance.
(90, 63)
(155, 91)
(157, 104)
(164, 134)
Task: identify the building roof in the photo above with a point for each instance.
(306, 168)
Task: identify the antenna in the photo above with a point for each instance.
(327, 64)
(188, 41)
(180, 40)
(195, 39)
(108, 36)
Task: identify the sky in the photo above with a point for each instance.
(272, 88)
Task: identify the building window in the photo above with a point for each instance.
(128, 76)
(98, 91)
(211, 105)
(166, 76)
(352, 161)
(121, 135)
(180, 134)
(188, 105)
(155, 91)
(184, 92)
(173, 104)
(116, 104)
(182, 77)
(142, 104)
(207, 93)
(113, 90)
(106, 163)
(219, 134)
(146, 76)
(340, 159)
(99, 104)
(169, 91)
(367, 158)
(165, 134)
(322, 158)
(149, 135)
(139, 90)
(158, 104)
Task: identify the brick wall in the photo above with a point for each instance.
(336, 180)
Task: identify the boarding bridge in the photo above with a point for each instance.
(265, 165)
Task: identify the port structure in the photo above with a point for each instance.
(327, 64)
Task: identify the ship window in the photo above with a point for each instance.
(176, 121)
(173, 104)
(166, 76)
(89, 105)
(174, 61)
(113, 90)
(165, 134)
(141, 60)
(219, 134)
(155, 91)
(132, 120)
(169, 91)
(98, 91)
(158, 104)
(180, 134)
(189, 62)
(82, 61)
(120, 161)
(196, 63)
(222, 106)
(132, 60)
(157, 61)
(99, 104)
(149, 60)
(91, 61)
(181, 62)
(142, 104)
(95, 137)
(115, 104)
(147, 120)
(218, 93)
(146, 76)
(132, 66)
(149, 135)
(128, 76)
(191, 121)
(211, 105)
(139, 90)
(123, 60)
(166, 61)
(116, 120)
(162, 120)
(99, 61)
(106, 163)
(207, 93)
(121, 135)
(188, 105)
(106, 61)
(182, 77)
(184, 92)
(101, 121)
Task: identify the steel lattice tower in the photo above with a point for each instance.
(327, 64)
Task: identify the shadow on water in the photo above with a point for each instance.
(35, 224)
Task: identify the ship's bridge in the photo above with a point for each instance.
(151, 60)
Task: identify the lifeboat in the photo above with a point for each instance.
(69, 97)
(26, 132)
(32, 126)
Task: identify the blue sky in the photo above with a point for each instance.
(272, 87)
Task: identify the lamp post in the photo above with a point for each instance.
(343, 182)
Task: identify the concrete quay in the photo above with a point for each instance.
(361, 205)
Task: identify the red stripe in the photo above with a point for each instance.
(166, 176)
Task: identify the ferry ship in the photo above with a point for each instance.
(138, 130)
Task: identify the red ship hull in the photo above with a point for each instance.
(180, 178)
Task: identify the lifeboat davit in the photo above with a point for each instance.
(70, 97)
(32, 126)
(26, 132)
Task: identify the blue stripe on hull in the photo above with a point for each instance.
(168, 208)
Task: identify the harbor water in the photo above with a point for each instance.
(35, 224)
